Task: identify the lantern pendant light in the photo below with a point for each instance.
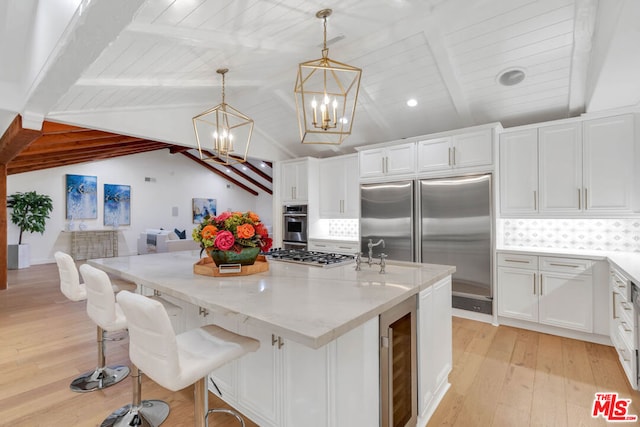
(223, 133)
(326, 94)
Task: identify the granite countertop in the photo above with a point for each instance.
(628, 262)
(307, 304)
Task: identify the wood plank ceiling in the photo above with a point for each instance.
(61, 145)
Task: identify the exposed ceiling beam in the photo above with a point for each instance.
(15, 139)
(585, 21)
(243, 176)
(217, 172)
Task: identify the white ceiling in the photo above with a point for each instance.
(145, 67)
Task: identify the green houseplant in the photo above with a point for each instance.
(30, 211)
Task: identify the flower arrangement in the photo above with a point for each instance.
(232, 231)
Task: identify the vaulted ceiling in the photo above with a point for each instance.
(144, 68)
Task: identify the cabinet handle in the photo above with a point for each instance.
(386, 160)
(280, 343)
(541, 289)
(449, 156)
(623, 353)
(517, 260)
(454, 156)
(579, 197)
(585, 199)
(382, 160)
(625, 326)
(613, 298)
(563, 265)
(626, 306)
(535, 200)
(274, 340)
(534, 283)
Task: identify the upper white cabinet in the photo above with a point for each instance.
(560, 162)
(577, 167)
(295, 181)
(388, 161)
(339, 192)
(609, 154)
(519, 172)
(456, 151)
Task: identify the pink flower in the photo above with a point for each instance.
(224, 240)
(223, 216)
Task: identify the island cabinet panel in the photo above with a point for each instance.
(435, 358)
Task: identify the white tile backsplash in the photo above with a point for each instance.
(619, 234)
(344, 228)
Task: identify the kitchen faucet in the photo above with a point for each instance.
(370, 245)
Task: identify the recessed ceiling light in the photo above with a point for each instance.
(263, 165)
(412, 102)
(511, 76)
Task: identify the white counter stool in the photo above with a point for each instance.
(177, 361)
(70, 284)
(107, 315)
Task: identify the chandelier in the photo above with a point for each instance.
(223, 130)
(326, 95)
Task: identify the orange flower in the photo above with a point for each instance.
(209, 231)
(253, 216)
(245, 231)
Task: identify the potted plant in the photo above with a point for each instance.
(30, 212)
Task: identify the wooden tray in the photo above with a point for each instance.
(207, 267)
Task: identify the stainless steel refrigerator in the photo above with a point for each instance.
(437, 221)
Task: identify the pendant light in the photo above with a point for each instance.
(326, 94)
(223, 133)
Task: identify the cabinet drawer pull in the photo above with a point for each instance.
(522, 261)
(344, 247)
(613, 298)
(541, 289)
(535, 200)
(625, 327)
(626, 306)
(454, 156)
(449, 156)
(563, 265)
(623, 354)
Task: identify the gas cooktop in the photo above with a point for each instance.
(314, 258)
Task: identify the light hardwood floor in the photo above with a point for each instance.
(501, 376)
(46, 341)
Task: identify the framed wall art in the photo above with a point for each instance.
(82, 197)
(202, 208)
(117, 205)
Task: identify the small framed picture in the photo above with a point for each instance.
(202, 208)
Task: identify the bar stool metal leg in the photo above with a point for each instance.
(201, 405)
(146, 413)
(101, 377)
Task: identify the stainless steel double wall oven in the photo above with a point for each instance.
(295, 227)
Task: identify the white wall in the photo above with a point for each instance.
(177, 181)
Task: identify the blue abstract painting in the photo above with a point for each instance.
(202, 208)
(117, 205)
(82, 197)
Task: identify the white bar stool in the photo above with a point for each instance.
(177, 361)
(107, 315)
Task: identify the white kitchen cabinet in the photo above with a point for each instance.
(519, 172)
(434, 346)
(540, 289)
(609, 159)
(580, 167)
(622, 323)
(560, 162)
(258, 382)
(295, 181)
(465, 150)
(517, 297)
(339, 190)
(388, 161)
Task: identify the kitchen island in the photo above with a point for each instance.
(318, 363)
